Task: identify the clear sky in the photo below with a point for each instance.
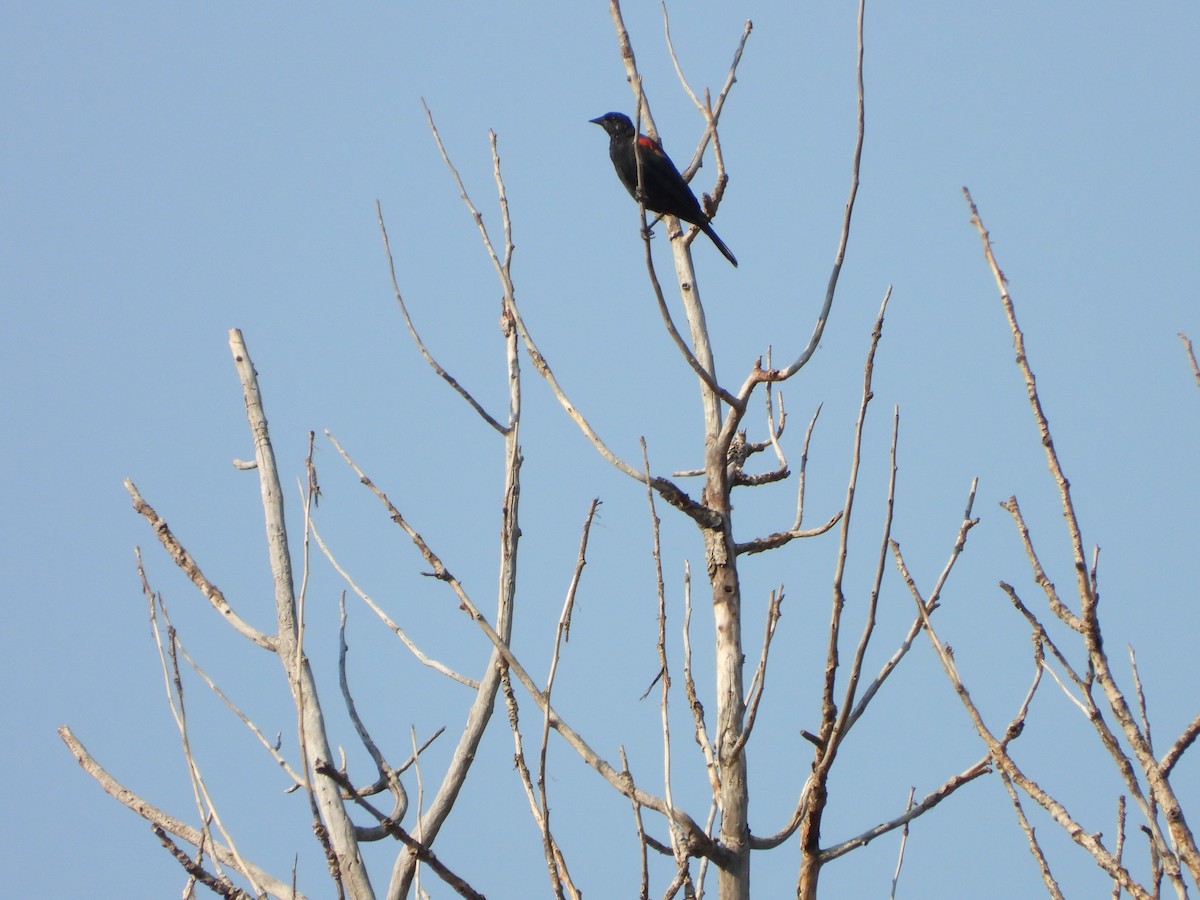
(172, 171)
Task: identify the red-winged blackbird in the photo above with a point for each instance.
(663, 187)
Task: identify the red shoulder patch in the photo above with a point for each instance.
(647, 143)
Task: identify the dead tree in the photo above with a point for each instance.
(349, 809)
(1121, 728)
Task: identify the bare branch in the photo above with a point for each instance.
(831, 729)
(929, 802)
(1056, 604)
(215, 688)
(774, 431)
(677, 837)
(1093, 714)
(555, 861)
(1159, 785)
(421, 850)
(930, 605)
(644, 893)
(1035, 848)
(1141, 699)
(580, 562)
(699, 368)
(466, 199)
(685, 274)
(334, 816)
(1180, 746)
(1191, 354)
(780, 538)
(387, 774)
(710, 111)
(1064, 488)
(300, 695)
(1000, 757)
(206, 809)
(1082, 707)
(801, 477)
(759, 680)
(217, 884)
(802, 806)
(1120, 847)
(840, 256)
(184, 561)
(412, 329)
(696, 837)
(903, 844)
(873, 603)
(157, 817)
(670, 492)
(554, 856)
(689, 686)
(387, 620)
(1042, 636)
(480, 711)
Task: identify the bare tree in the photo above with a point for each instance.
(1123, 733)
(697, 841)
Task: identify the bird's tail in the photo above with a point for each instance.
(725, 251)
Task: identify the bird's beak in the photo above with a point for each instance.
(599, 120)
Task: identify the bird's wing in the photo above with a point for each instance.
(649, 143)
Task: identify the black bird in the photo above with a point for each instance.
(663, 187)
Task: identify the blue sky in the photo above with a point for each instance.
(173, 171)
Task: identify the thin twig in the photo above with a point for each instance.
(180, 556)
(1119, 849)
(775, 432)
(1035, 847)
(903, 844)
(174, 826)
(759, 680)
(218, 884)
(678, 840)
(387, 774)
(1056, 604)
(701, 843)
(833, 724)
(801, 477)
(1186, 739)
(554, 858)
(864, 640)
(930, 800)
(1003, 761)
(295, 671)
(205, 807)
(580, 562)
(387, 620)
(1163, 795)
(270, 747)
(412, 330)
(644, 892)
(840, 256)
(689, 686)
(780, 538)
(422, 851)
(1191, 355)
(481, 708)
(931, 605)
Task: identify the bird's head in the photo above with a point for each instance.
(616, 124)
